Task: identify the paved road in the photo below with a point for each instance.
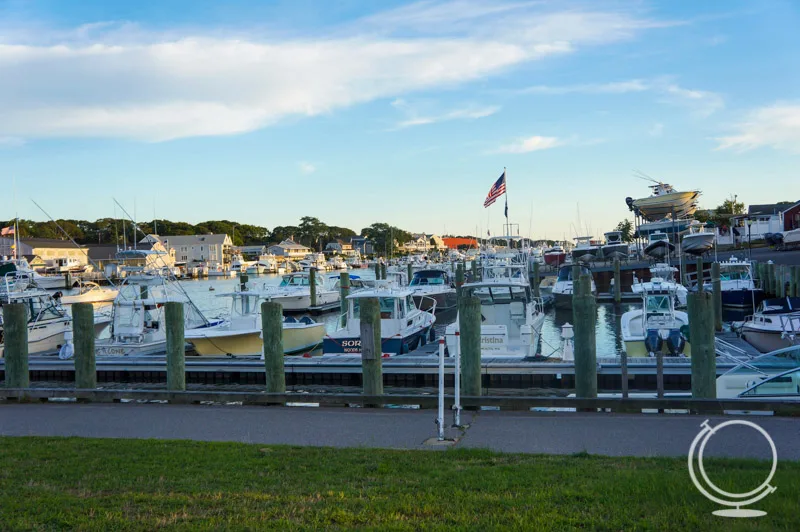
(763, 255)
(534, 432)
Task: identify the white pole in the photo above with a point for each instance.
(457, 382)
(440, 418)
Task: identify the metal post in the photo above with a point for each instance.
(176, 342)
(83, 338)
(702, 345)
(371, 352)
(440, 417)
(584, 315)
(15, 329)
(312, 284)
(617, 282)
(272, 338)
(457, 383)
(716, 284)
(469, 325)
(344, 291)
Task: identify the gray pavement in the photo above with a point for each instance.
(525, 432)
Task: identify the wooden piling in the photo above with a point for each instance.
(780, 280)
(702, 341)
(383, 270)
(377, 270)
(469, 325)
(83, 340)
(792, 281)
(796, 281)
(371, 351)
(536, 280)
(474, 269)
(660, 375)
(617, 282)
(624, 373)
(716, 284)
(272, 335)
(584, 315)
(312, 283)
(682, 279)
(459, 278)
(699, 267)
(344, 291)
(68, 280)
(176, 342)
(243, 280)
(15, 331)
(769, 279)
(409, 272)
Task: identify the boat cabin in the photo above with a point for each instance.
(395, 305)
(298, 279)
(430, 278)
(565, 273)
(505, 272)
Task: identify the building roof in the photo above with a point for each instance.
(290, 244)
(103, 252)
(52, 243)
(192, 240)
(768, 209)
(453, 243)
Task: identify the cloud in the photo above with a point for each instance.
(467, 113)
(529, 144)
(617, 87)
(306, 167)
(112, 80)
(701, 103)
(777, 126)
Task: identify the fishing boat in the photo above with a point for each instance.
(240, 334)
(434, 286)
(737, 285)
(774, 325)
(404, 327)
(665, 200)
(747, 374)
(337, 263)
(665, 225)
(662, 275)
(294, 292)
(658, 245)
(656, 326)
(316, 261)
(511, 318)
(697, 241)
(238, 264)
(555, 256)
(615, 248)
(562, 289)
(45, 282)
(266, 263)
(88, 292)
(586, 249)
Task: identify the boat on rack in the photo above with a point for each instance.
(88, 292)
(586, 249)
(663, 276)
(294, 292)
(656, 327)
(555, 256)
(784, 240)
(737, 285)
(615, 248)
(434, 286)
(775, 324)
(562, 289)
(658, 245)
(664, 201)
(665, 225)
(241, 333)
(404, 327)
(697, 241)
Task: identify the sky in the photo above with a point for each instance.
(400, 112)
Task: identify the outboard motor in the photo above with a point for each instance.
(629, 203)
(653, 342)
(675, 343)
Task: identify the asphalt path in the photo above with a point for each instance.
(528, 432)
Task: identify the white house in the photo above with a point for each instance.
(289, 249)
(421, 243)
(193, 250)
(340, 247)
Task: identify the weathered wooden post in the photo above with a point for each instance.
(377, 270)
(617, 282)
(383, 270)
(769, 279)
(792, 281)
(780, 279)
(660, 376)
(536, 280)
(756, 268)
(243, 280)
(459, 278)
(584, 315)
(702, 342)
(83, 339)
(682, 280)
(474, 268)
(797, 281)
(344, 291)
(176, 346)
(371, 350)
(699, 274)
(68, 280)
(312, 284)
(409, 272)
(716, 285)
(624, 373)
(272, 338)
(469, 325)
(15, 329)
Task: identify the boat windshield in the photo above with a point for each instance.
(655, 237)
(659, 304)
(387, 308)
(428, 278)
(244, 305)
(768, 363)
(294, 280)
(565, 273)
(735, 273)
(782, 385)
(491, 295)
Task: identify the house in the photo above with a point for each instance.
(103, 254)
(760, 220)
(289, 249)
(361, 244)
(456, 243)
(420, 243)
(193, 250)
(51, 251)
(251, 252)
(339, 247)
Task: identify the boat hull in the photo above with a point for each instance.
(742, 298)
(239, 343)
(48, 339)
(659, 249)
(444, 301)
(616, 251)
(697, 244)
(302, 302)
(392, 346)
(765, 341)
(658, 207)
(555, 259)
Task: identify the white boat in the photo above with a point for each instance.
(316, 261)
(562, 289)
(266, 263)
(785, 240)
(404, 327)
(294, 292)
(697, 241)
(775, 324)
(662, 275)
(64, 265)
(45, 282)
(665, 225)
(658, 245)
(337, 263)
(238, 264)
(586, 249)
(219, 270)
(665, 200)
(656, 326)
(748, 373)
(737, 285)
(615, 248)
(555, 256)
(511, 318)
(240, 334)
(431, 286)
(88, 292)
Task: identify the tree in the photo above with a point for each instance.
(626, 228)
(311, 231)
(730, 207)
(384, 236)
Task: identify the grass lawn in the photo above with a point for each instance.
(92, 484)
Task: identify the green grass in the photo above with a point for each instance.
(88, 484)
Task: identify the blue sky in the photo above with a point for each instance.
(363, 111)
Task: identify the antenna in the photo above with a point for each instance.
(645, 177)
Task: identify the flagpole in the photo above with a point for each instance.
(508, 228)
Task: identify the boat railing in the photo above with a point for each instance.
(729, 351)
(790, 326)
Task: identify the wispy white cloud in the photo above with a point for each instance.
(466, 113)
(118, 81)
(615, 87)
(529, 144)
(776, 126)
(701, 103)
(306, 167)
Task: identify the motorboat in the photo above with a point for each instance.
(665, 225)
(45, 282)
(404, 327)
(355, 260)
(774, 325)
(665, 200)
(266, 263)
(316, 261)
(662, 275)
(697, 241)
(88, 292)
(238, 264)
(782, 387)
(294, 292)
(785, 240)
(433, 286)
(737, 285)
(65, 265)
(219, 270)
(241, 333)
(555, 256)
(658, 245)
(749, 373)
(562, 289)
(49, 325)
(511, 318)
(656, 327)
(337, 263)
(586, 249)
(615, 248)
(138, 315)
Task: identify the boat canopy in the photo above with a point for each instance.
(429, 277)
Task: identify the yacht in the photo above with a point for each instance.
(665, 200)
(775, 324)
(586, 249)
(615, 248)
(555, 256)
(697, 241)
(511, 318)
(294, 292)
(241, 333)
(748, 373)
(656, 327)
(433, 286)
(266, 263)
(337, 263)
(238, 264)
(663, 275)
(316, 261)
(88, 292)
(46, 282)
(737, 285)
(562, 289)
(658, 245)
(404, 327)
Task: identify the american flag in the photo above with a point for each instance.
(5, 231)
(497, 190)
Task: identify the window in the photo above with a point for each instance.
(387, 308)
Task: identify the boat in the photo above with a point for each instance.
(784, 240)
(585, 249)
(774, 325)
(658, 245)
(266, 263)
(316, 261)
(434, 286)
(88, 292)
(665, 200)
(511, 318)
(665, 225)
(697, 241)
(781, 387)
(238, 264)
(241, 333)
(337, 263)
(656, 327)
(45, 282)
(49, 325)
(663, 275)
(404, 327)
(748, 373)
(615, 248)
(65, 265)
(562, 289)
(294, 292)
(737, 285)
(555, 256)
